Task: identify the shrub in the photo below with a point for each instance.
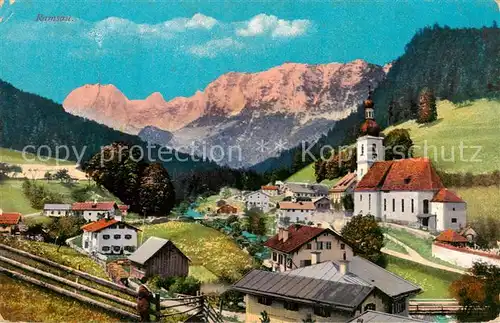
(185, 285)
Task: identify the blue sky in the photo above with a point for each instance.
(178, 47)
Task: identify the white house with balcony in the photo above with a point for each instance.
(258, 199)
(110, 237)
(93, 211)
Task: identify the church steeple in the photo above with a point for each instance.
(370, 146)
(370, 126)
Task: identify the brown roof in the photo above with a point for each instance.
(414, 174)
(444, 195)
(103, 224)
(99, 206)
(307, 205)
(297, 236)
(227, 209)
(269, 188)
(344, 183)
(450, 236)
(10, 218)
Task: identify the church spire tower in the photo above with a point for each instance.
(370, 146)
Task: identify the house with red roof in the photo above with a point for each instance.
(299, 246)
(93, 211)
(271, 190)
(109, 236)
(9, 222)
(405, 191)
(345, 186)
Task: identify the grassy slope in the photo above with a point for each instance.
(12, 198)
(306, 175)
(475, 124)
(389, 244)
(434, 282)
(480, 201)
(16, 157)
(205, 246)
(27, 303)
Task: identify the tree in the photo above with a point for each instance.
(185, 285)
(64, 228)
(427, 109)
(156, 192)
(398, 144)
(47, 176)
(6, 169)
(320, 170)
(348, 202)
(365, 235)
(478, 291)
(255, 221)
(226, 193)
(62, 175)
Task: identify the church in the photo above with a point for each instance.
(405, 191)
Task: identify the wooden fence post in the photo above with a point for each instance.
(157, 307)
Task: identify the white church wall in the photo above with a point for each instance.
(449, 215)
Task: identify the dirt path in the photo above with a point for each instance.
(416, 257)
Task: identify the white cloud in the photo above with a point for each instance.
(263, 24)
(123, 27)
(214, 47)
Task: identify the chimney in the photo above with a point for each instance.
(95, 201)
(280, 234)
(343, 267)
(285, 235)
(1, 211)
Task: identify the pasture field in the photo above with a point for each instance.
(205, 246)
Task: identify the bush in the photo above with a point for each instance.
(185, 285)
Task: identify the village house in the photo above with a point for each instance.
(10, 222)
(109, 236)
(294, 212)
(158, 257)
(257, 200)
(295, 190)
(405, 191)
(57, 210)
(227, 209)
(452, 238)
(322, 204)
(93, 211)
(300, 246)
(271, 190)
(331, 291)
(345, 186)
(469, 233)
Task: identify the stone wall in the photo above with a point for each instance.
(460, 256)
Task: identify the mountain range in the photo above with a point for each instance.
(252, 115)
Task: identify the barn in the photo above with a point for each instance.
(158, 257)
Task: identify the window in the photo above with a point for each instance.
(59, 212)
(129, 248)
(128, 236)
(412, 206)
(385, 204)
(309, 246)
(322, 311)
(291, 306)
(265, 300)
(121, 226)
(369, 201)
(105, 248)
(370, 307)
(117, 236)
(90, 213)
(453, 209)
(393, 205)
(280, 259)
(328, 245)
(51, 212)
(319, 245)
(105, 237)
(360, 197)
(400, 306)
(453, 220)
(117, 248)
(362, 150)
(305, 263)
(374, 150)
(342, 246)
(275, 256)
(426, 206)
(402, 205)
(86, 244)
